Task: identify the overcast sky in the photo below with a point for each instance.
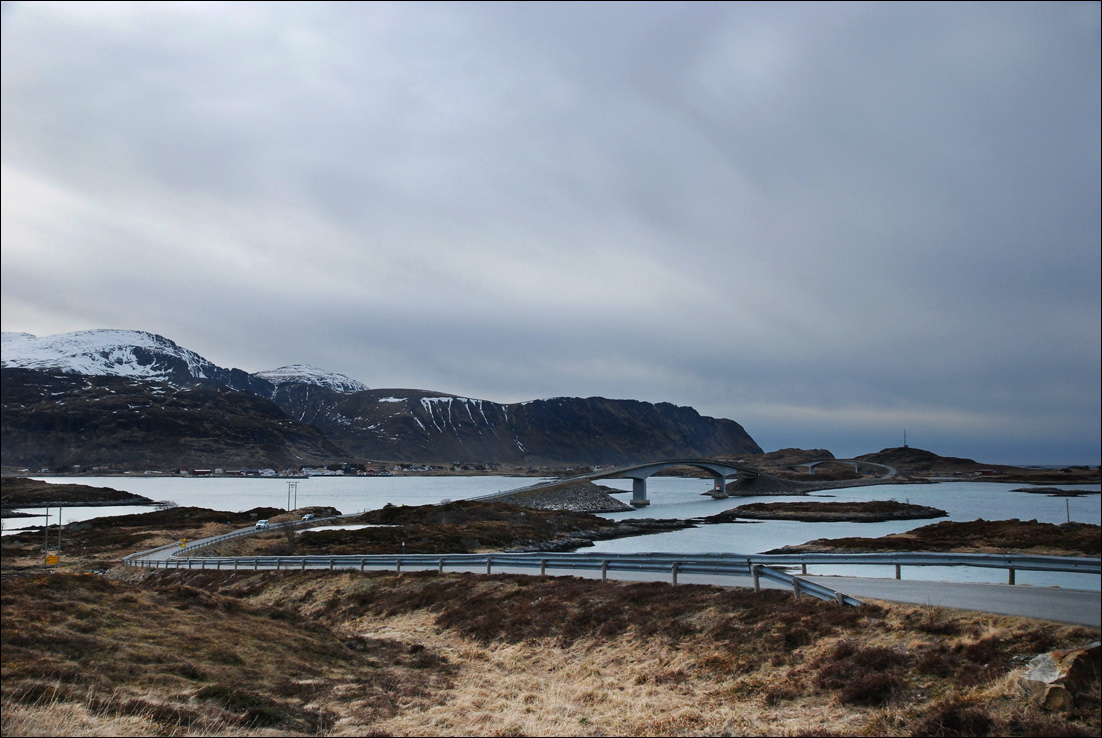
(829, 223)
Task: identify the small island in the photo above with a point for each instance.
(976, 536)
(1057, 492)
(876, 511)
(16, 492)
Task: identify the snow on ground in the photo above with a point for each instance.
(98, 352)
(306, 374)
(343, 527)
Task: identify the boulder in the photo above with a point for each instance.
(1054, 679)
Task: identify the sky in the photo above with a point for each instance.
(831, 223)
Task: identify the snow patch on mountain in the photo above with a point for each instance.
(306, 374)
(103, 352)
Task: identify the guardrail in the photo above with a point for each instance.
(756, 566)
(671, 564)
(203, 542)
(1011, 562)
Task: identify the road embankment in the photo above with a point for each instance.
(575, 496)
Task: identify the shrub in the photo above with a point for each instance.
(955, 717)
(869, 689)
(234, 700)
(935, 662)
(781, 693)
(936, 623)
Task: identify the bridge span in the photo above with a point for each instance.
(720, 472)
(640, 473)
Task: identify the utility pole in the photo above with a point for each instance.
(46, 545)
(47, 558)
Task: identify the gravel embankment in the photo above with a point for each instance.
(574, 496)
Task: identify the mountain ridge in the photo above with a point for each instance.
(404, 425)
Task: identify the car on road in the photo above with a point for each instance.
(308, 516)
(263, 525)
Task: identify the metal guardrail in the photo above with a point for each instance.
(1011, 562)
(668, 563)
(203, 542)
(757, 566)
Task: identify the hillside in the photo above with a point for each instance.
(416, 425)
(136, 400)
(54, 420)
(344, 653)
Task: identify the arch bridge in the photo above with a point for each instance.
(640, 473)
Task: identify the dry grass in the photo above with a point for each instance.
(190, 653)
(67, 718)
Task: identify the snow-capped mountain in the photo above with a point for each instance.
(135, 399)
(105, 352)
(306, 374)
(121, 353)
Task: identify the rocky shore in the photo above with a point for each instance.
(624, 529)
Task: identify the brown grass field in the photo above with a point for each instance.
(220, 653)
(128, 652)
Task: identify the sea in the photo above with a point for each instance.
(671, 497)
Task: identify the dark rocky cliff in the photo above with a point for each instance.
(416, 425)
(53, 420)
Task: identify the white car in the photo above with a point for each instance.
(263, 525)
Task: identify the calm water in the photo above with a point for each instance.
(670, 498)
(964, 501)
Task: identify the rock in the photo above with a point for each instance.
(1054, 679)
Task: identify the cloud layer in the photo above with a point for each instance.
(827, 222)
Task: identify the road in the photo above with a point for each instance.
(1072, 606)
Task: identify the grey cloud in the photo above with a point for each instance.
(774, 212)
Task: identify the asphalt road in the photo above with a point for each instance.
(1073, 606)
(1078, 607)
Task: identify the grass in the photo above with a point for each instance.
(280, 653)
(337, 653)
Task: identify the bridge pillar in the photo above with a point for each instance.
(719, 491)
(639, 493)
